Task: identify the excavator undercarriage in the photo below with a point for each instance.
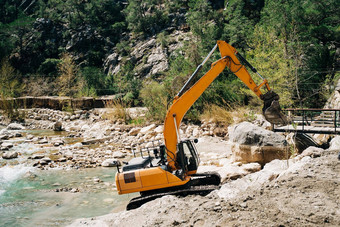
(199, 184)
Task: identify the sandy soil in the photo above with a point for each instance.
(305, 193)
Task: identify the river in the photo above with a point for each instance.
(28, 196)
(33, 197)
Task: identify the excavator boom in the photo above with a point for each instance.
(189, 94)
(170, 168)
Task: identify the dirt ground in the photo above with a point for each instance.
(305, 194)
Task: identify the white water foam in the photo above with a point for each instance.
(8, 174)
(26, 148)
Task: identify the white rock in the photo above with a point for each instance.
(85, 127)
(251, 167)
(118, 154)
(195, 132)
(312, 152)
(6, 145)
(159, 129)
(111, 163)
(335, 143)
(96, 180)
(134, 131)
(15, 126)
(147, 128)
(46, 159)
(10, 155)
(43, 141)
(77, 145)
(38, 156)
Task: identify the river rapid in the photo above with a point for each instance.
(30, 196)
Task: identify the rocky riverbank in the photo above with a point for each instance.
(302, 192)
(83, 139)
(245, 155)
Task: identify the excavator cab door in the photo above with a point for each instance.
(187, 156)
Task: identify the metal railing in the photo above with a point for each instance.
(146, 149)
(319, 118)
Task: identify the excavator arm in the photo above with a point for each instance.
(189, 94)
(151, 174)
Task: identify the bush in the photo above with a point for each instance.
(154, 97)
(216, 114)
(37, 85)
(67, 79)
(119, 111)
(9, 83)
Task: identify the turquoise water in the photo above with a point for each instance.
(28, 197)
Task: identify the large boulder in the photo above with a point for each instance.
(251, 143)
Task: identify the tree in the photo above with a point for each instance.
(267, 56)
(9, 84)
(240, 17)
(68, 76)
(146, 16)
(309, 32)
(154, 97)
(202, 23)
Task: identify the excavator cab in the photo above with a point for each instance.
(187, 157)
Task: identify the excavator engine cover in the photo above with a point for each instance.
(272, 110)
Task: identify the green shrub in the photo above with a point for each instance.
(9, 83)
(154, 97)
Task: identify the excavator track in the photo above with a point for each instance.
(199, 184)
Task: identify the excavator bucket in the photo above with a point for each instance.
(272, 110)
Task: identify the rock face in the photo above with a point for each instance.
(334, 101)
(150, 57)
(49, 36)
(251, 143)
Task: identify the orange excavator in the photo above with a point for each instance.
(169, 167)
